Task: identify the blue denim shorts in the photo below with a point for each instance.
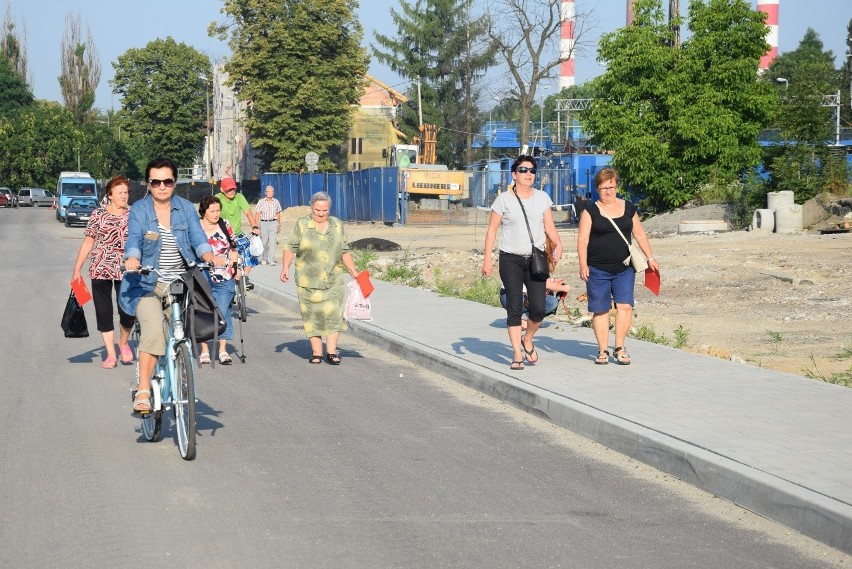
(603, 288)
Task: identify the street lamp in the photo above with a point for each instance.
(785, 81)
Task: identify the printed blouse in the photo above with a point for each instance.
(221, 247)
(109, 232)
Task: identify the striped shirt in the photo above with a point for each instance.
(268, 209)
(172, 264)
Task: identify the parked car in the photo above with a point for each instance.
(8, 198)
(35, 197)
(79, 211)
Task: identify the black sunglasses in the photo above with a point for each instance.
(525, 169)
(168, 182)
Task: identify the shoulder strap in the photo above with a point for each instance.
(228, 236)
(523, 211)
(612, 221)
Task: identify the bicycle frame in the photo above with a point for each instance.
(165, 367)
(173, 388)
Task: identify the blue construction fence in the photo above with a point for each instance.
(358, 196)
(564, 177)
(373, 194)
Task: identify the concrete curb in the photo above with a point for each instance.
(821, 517)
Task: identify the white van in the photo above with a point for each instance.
(35, 197)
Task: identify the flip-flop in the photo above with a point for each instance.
(517, 366)
(529, 353)
(126, 355)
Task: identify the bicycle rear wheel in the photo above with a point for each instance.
(185, 401)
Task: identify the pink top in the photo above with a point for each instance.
(109, 232)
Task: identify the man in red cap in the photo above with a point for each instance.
(234, 206)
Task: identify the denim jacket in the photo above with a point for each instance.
(189, 236)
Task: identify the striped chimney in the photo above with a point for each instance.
(566, 45)
(770, 7)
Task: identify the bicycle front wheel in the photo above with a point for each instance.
(185, 401)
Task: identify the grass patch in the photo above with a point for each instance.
(681, 336)
(402, 271)
(482, 290)
(838, 378)
(363, 257)
(646, 333)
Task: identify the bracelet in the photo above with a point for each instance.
(255, 227)
(651, 259)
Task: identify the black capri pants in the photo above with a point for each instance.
(515, 273)
(102, 297)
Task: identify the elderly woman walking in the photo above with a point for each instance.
(319, 246)
(602, 251)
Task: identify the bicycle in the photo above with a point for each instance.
(173, 382)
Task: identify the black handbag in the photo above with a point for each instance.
(74, 319)
(539, 268)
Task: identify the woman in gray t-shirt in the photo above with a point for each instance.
(515, 250)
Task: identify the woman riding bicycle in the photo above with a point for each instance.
(163, 232)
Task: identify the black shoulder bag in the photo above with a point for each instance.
(539, 269)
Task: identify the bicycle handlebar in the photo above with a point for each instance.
(150, 268)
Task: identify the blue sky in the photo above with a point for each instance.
(118, 25)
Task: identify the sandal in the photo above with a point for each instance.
(109, 363)
(517, 366)
(141, 405)
(315, 359)
(333, 359)
(126, 354)
(528, 354)
(603, 357)
(225, 359)
(204, 358)
(621, 356)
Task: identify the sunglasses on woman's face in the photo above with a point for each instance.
(525, 169)
(168, 182)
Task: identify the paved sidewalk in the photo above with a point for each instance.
(774, 443)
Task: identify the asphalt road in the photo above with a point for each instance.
(374, 463)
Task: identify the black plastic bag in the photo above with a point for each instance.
(74, 319)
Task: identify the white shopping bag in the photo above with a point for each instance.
(357, 307)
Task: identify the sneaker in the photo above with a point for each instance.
(263, 262)
(271, 263)
(249, 284)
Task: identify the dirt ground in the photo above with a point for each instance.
(771, 300)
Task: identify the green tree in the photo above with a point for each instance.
(803, 160)
(299, 66)
(13, 46)
(37, 142)
(443, 44)
(680, 118)
(164, 110)
(81, 70)
(14, 92)
(630, 114)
